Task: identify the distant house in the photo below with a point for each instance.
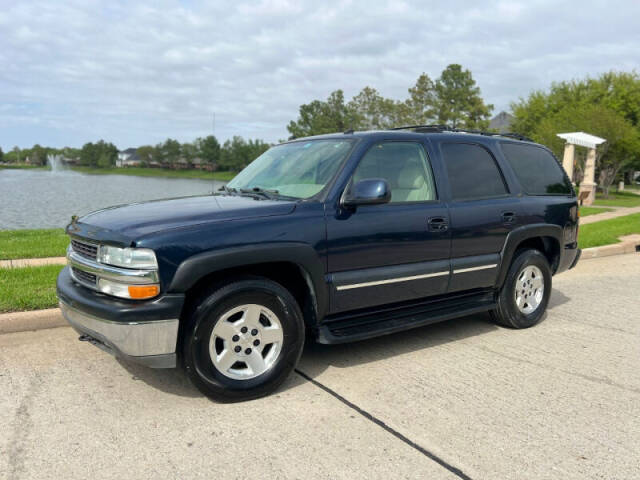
(128, 158)
(181, 164)
(200, 164)
(501, 122)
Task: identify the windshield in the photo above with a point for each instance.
(299, 169)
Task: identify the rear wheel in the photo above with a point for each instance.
(245, 339)
(525, 293)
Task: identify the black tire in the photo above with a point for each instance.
(507, 312)
(206, 313)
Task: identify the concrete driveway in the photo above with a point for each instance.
(462, 399)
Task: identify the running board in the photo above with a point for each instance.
(390, 319)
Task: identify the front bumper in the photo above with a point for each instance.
(142, 332)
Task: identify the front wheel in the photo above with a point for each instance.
(245, 339)
(524, 296)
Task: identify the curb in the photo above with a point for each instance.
(33, 262)
(628, 244)
(31, 320)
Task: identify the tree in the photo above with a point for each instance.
(209, 149)
(619, 151)
(607, 106)
(145, 154)
(170, 150)
(38, 155)
(369, 110)
(101, 154)
(454, 99)
(15, 155)
(1, 155)
(618, 91)
(422, 104)
(459, 103)
(320, 117)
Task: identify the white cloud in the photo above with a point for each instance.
(133, 72)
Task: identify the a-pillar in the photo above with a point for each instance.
(568, 159)
(588, 183)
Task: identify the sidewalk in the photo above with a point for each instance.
(618, 212)
(33, 262)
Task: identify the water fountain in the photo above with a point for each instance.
(55, 162)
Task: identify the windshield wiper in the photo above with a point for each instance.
(265, 192)
(224, 188)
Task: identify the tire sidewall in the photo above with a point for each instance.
(507, 299)
(197, 359)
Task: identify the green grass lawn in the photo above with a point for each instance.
(23, 166)
(158, 172)
(32, 243)
(608, 231)
(29, 288)
(586, 211)
(618, 199)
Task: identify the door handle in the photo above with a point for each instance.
(438, 224)
(508, 217)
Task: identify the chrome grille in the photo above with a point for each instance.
(87, 250)
(83, 276)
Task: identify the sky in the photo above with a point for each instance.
(137, 72)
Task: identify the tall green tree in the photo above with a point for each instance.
(146, 154)
(369, 110)
(320, 117)
(459, 103)
(209, 149)
(453, 99)
(607, 106)
(38, 155)
(100, 154)
(1, 155)
(421, 108)
(620, 151)
(618, 91)
(171, 150)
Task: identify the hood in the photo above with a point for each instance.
(126, 223)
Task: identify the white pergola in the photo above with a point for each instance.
(591, 142)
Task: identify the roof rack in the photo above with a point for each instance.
(445, 128)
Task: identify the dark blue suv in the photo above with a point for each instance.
(339, 237)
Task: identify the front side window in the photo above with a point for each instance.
(404, 166)
(298, 169)
(536, 169)
(472, 171)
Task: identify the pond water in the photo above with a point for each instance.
(47, 199)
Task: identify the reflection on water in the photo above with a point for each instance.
(47, 199)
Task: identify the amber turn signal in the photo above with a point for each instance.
(143, 291)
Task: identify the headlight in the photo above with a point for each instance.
(137, 292)
(128, 257)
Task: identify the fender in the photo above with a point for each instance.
(191, 270)
(517, 236)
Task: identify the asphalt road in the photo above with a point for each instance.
(462, 399)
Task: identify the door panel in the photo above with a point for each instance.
(481, 227)
(386, 242)
(478, 271)
(399, 251)
(482, 210)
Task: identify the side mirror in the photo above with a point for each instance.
(370, 191)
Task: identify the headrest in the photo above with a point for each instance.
(411, 177)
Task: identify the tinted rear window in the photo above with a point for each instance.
(472, 172)
(537, 171)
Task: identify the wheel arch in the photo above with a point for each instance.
(297, 267)
(543, 237)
